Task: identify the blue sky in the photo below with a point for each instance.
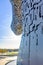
(7, 38)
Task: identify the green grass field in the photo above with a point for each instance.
(6, 52)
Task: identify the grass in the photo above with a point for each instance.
(8, 52)
(12, 53)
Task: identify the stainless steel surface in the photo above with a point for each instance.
(31, 47)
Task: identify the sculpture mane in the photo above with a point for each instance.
(16, 25)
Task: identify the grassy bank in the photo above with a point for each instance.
(8, 52)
